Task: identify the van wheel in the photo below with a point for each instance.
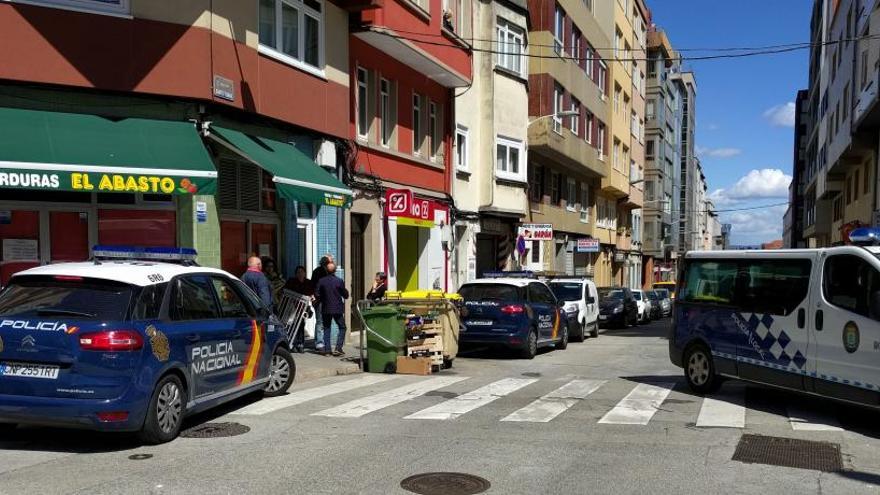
(581, 332)
(165, 413)
(699, 370)
(531, 348)
(594, 333)
(282, 371)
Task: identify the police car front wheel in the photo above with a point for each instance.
(699, 370)
(282, 371)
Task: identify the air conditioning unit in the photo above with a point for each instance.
(325, 155)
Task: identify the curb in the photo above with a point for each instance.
(318, 373)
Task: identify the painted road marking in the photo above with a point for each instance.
(466, 403)
(639, 406)
(301, 396)
(556, 402)
(725, 411)
(366, 405)
(806, 420)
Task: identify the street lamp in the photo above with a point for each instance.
(560, 115)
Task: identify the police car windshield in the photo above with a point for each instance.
(77, 298)
(492, 292)
(566, 291)
(610, 293)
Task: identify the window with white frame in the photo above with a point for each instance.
(618, 93)
(558, 94)
(558, 30)
(363, 122)
(590, 56)
(571, 194)
(575, 45)
(585, 202)
(101, 6)
(417, 124)
(588, 128)
(508, 159)
(634, 123)
(615, 154)
(601, 138)
(603, 77)
(385, 111)
(434, 130)
(293, 30)
(511, 46)
(461, 147)
(618, 42)
(576, 117)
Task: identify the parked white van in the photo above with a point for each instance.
(803, 319)
(581, 305)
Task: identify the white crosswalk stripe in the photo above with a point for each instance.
(725, 411)
(466, 403)
(639, 406)
(808, 420)
(556, 402)
(366, 405)
(301, 396)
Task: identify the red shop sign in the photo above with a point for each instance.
(409, 210)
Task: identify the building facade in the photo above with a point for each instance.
(690, 186)
(793, 221)
(181, 132)
(491, 133)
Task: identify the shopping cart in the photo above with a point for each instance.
(293, 310)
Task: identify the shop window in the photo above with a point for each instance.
(148, 228)
(774, 287)
(850, 283)
(293, 32)
(19, 242)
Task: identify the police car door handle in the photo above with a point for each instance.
(193, 337)
(820, 320)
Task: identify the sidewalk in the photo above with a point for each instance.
(312, 366)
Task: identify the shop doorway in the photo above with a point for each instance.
(407, 257)
(360, 273)
(486, 252)
(233, 246)
(68, 236)
(305, 245)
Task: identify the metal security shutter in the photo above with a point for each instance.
(249, 186)
(227, 192)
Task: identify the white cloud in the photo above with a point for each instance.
(781, 115)
(751, 227)
(763, 183)
(718, 152)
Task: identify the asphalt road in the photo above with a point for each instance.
(610, 415)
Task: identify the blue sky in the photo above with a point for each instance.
(744, 118)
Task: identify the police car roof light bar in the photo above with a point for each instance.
(865, 236)
(511, 274)
(184, 256)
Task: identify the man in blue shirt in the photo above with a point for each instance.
(257, 281)
(331, 294)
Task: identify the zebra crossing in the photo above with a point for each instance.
(638, 407)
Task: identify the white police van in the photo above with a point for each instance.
(803, 319)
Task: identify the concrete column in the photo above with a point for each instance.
(203, 236)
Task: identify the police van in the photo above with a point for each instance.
(806, 320)
(133, 341)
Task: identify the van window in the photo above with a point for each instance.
(849, 282)
(709, 281)
(776, 287)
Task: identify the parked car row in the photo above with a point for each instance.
(525, 312)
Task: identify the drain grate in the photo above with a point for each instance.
(789, 452)
(215, 430)
(445, 484)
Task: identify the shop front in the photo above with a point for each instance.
(417, 239)
(70, 181)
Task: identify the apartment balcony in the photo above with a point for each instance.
(828, 185)
(359, 5)
(635, 199)
(565, 148)
(615, 182)
(866, 114)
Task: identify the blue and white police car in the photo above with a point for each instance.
(134, 341)
(513, 310)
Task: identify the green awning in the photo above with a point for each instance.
(296, 176)
(87, 153)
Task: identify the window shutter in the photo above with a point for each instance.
(226, 185)
(249, 186)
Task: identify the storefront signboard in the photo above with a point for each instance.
(412, 211)
(20, 250)
(86, 181)
(587, 245)
(536, 231)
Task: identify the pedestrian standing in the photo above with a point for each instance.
(380, 286)
(276, 280)
(331, 295)
(301, 285)
(257, 281)
(318, 273)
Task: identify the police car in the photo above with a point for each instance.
(513, 310)
(801, 319)
(125, 344)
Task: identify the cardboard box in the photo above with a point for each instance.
(413, 366)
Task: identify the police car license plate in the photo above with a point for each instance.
(479, 323)
(45, 371)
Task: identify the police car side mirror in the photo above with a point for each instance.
(874, 306)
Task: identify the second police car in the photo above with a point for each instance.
(513, 310)
(123, 345)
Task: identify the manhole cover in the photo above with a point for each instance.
(789, 452)
(215, 430)
(140, 457)
(445, 484)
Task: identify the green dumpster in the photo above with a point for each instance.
(386, 337)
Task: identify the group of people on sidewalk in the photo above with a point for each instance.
(326, 290)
